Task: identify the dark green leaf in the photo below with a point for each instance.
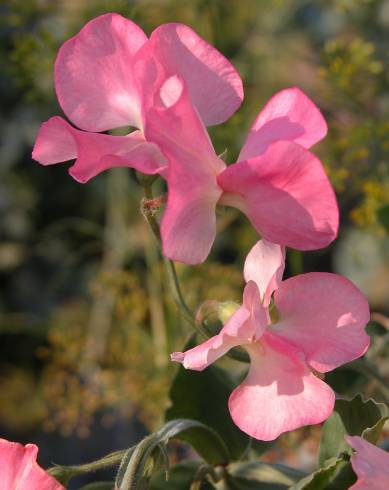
(336, 474)
(204, 396)
(180, 477)
(101, 485)
(255, 475)
(354, 417)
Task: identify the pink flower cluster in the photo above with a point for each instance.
(319, 326)
(170, 86)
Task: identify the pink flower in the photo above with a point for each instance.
(20, 471)
(370, 463)
(106, 77)
(280, 185)
(318, 325)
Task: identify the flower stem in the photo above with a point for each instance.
(149, 213)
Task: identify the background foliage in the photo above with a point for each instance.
(86, 320)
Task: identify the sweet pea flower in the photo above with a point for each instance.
(315, 325)
(370, 463)
(280, 185)
(20, 471)
(106, 77)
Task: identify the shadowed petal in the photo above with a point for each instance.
(370, 463)
(324, 315)
(290, 116)
(213, 83)
(94, 76)
(58, 141)
(20, 471)
(188, 225)
(279, 394)
(286, 195)
(265, 264)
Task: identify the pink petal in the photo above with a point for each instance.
(57, 141)
(20, 471)
(188, 225)
(94, 74)
(265, 264)
(370, 463)
(280, 393)
(289, 115)
(214, 85)
(286, 195)
(212, 349)
(324, 315)
(246, 324)
(259, 315)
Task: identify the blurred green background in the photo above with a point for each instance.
(86, 319)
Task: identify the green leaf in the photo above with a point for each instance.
(101, 485)
(336, 474)
(255, 475)
(383, 217)
(204, 396)
(356, 417)
(180, 477)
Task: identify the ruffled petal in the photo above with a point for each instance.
(19, 469)
(370, 463)
(214, 85)
(58, 141)
(188, 225)
(289, 116)
(279, 394)
(265, 264)
(94, 76)
(324, 315)
(286, 195)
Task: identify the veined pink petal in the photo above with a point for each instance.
(370, 463)
(188, 225)
(231, 335)
(20, 471)
(58, 141)
(94, 76)
(280, 393)
(286, 195)
(290, 116)
(213, 83)
(265, 264)
(323, 315)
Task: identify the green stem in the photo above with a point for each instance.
(200, 327)
(64, 473)
(132, 473)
